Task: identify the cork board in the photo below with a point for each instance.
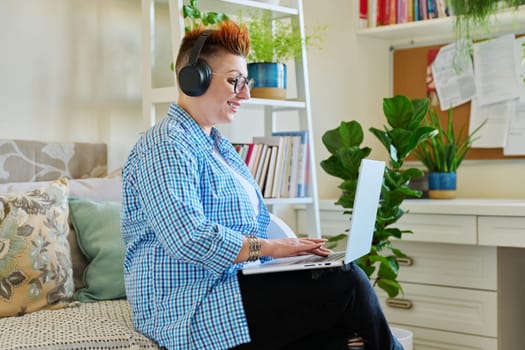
(410, 79)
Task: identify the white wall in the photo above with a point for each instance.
(71, 71)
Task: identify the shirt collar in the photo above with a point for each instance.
(215, 139)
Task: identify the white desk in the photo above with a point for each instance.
(465, 288)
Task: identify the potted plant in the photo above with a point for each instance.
(400, 137)
(443, 154)
(273, 42)
(194, 17)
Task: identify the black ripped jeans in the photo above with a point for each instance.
(313, 309)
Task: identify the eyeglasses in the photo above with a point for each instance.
(238, 82)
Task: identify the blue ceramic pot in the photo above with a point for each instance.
(270, 80)
(442, 185)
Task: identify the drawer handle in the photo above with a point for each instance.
(399, 303)
(408, 261)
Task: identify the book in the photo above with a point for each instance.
(381, 18)
(363, 14)
(441, 8)
(410, 10)
(249, 153)
(271, 145)
(402, 11)
(286, 168)
(432, 9)
(261, 165)
(301, 165)
(423, 10)
(290, 169)
(392, 12)
(372, 13)
(254, 159)
(280, 165)
(268, 183)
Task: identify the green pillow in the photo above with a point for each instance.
(97, 228)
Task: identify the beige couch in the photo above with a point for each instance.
(61, 281)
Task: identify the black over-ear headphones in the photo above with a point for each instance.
(194, 78)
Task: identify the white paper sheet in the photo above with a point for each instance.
(453, 77)
(516, 133)
(494, 132)
(495, 70)
(520, 66)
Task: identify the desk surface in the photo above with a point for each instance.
(458, 206)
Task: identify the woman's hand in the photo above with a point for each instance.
(284, 247)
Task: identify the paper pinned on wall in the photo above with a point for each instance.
(494, 132)
(516, 135)
(495, 70)
(519, 58)
(453, 77)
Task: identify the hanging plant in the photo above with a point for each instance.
(473, 16)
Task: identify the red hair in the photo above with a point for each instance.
(228, 36)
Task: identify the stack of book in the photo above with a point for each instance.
(279, 163)
(374, 13)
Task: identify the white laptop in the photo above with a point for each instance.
(361, 232)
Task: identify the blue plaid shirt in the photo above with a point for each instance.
(183, 217)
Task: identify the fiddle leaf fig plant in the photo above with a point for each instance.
(401, 136)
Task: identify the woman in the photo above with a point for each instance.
(192, 215)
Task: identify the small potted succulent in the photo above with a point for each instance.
(443, 154)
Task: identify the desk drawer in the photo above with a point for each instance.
(453, 265)
(459, 229)
(444, 308)
(504, 231)
(428, 339)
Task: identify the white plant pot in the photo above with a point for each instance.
(404, 336)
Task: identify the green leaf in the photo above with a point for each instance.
(348, 134)
(333, 167)
(398, 111)
(421, 107)
(391, 287)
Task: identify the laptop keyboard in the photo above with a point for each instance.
(331, 257)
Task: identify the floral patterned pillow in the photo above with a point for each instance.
(35, 259)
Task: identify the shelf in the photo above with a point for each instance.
(277, 104)
(163, 94)
(272, 201)
(442, 29)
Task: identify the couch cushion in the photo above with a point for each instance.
(94, 326)
(97, 227)
(35, 259)
(98, 189)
